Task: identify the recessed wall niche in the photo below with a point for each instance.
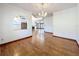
(23, 25)
(20, 23)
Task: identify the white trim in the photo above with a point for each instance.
(77, 41)
(14, 40)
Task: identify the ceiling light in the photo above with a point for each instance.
(42, 7)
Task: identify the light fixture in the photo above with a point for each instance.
(42, 14)
(42, 7)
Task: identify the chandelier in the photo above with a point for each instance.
(42, 14)
(42, 7)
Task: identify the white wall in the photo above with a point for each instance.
(65, 23)
(78, 24)
(48, 24)
(9, 33)
(0, 22)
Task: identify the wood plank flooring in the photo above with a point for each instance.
(53, 46)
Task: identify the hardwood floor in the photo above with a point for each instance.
(53, 46)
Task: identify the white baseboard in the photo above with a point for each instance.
(77, 41)
(64, 37)
(14, 40)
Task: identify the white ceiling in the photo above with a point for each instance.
(51, 7)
